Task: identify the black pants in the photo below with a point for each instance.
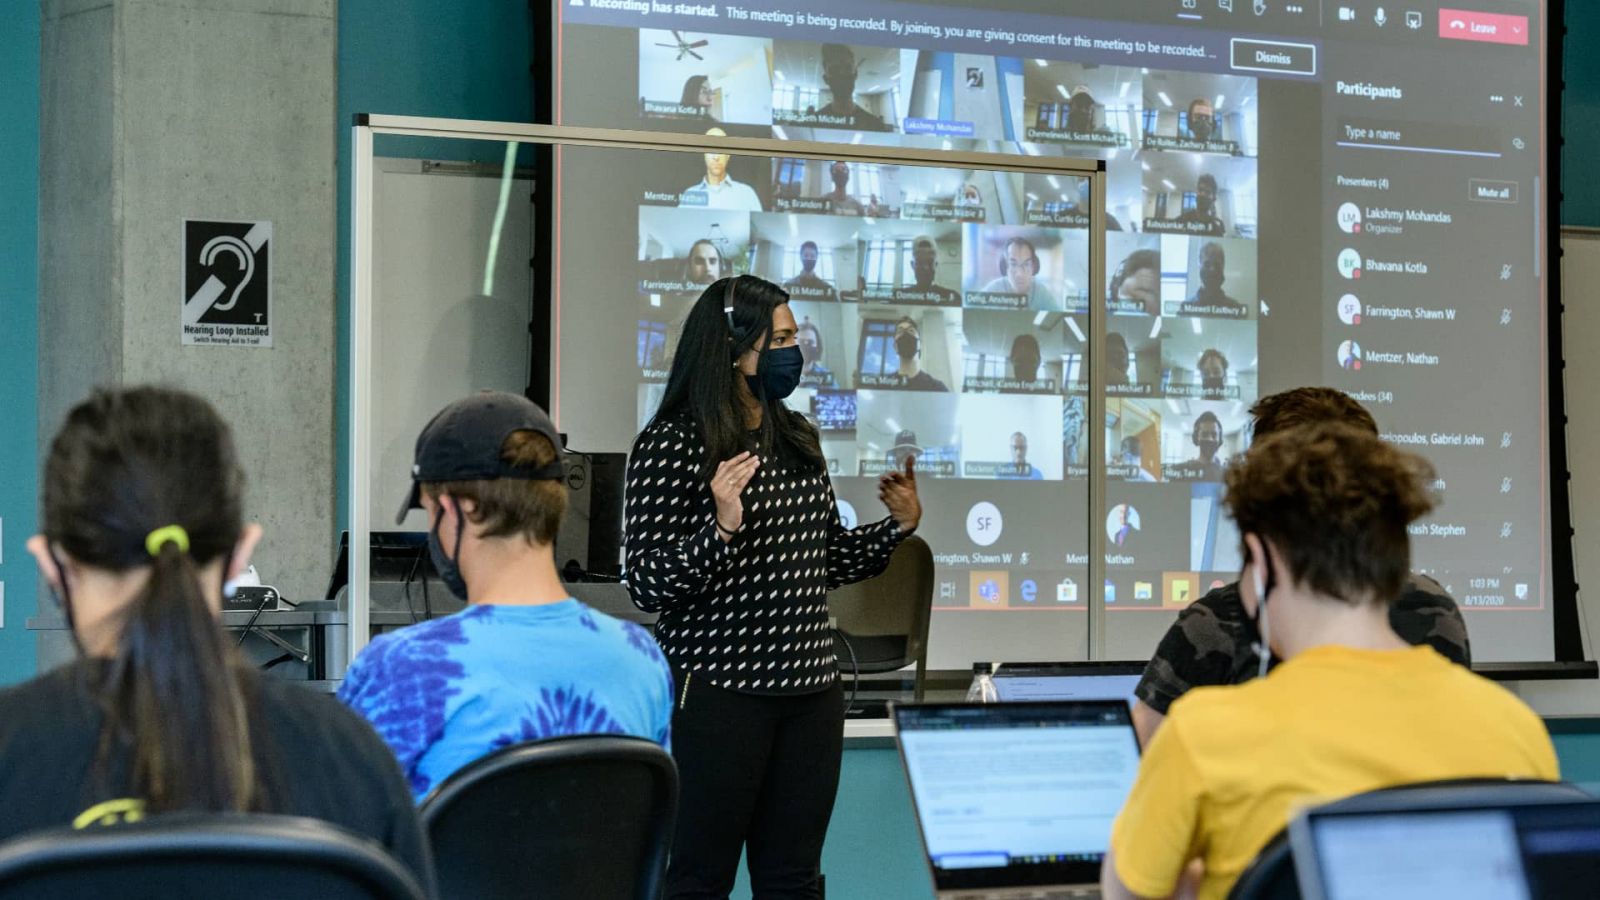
(753, 770)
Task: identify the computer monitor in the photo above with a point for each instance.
(1535, 851)
(1017, 794)
(1067, 681)
(401, 575)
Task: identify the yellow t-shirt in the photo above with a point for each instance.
(1231, 765)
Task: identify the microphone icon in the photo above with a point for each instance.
(1380, 18)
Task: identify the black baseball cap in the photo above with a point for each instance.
(462, 443)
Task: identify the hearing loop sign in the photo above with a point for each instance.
(227, 284)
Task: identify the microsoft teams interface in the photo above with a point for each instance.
(1339, 193)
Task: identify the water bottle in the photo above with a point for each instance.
(982, 689)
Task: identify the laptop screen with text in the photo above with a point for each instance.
(1018, 784)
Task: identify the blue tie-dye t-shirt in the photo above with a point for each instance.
(447, 692)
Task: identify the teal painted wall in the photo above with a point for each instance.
(19, 330)
(1580, 111)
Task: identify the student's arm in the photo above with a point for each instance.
(672, 548)
(1145, 722)
(1112, 888)
(1157, 834)
(384, 794)
(405, 841)
(1196, 651)
(372, 688)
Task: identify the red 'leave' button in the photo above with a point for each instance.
(1491, 28)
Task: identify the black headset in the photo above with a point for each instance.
(722, 261)
(1207, 416)
(1005, 264)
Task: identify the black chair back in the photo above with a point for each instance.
(193, 856)
(1272, 877)
(585, 817)
(883, 621)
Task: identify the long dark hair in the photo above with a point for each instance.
(691, 90)
(704, 383)
(176, 700)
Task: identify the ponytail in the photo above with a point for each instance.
(176, 698)
(147, 478)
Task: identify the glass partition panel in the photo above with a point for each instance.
(942, 300)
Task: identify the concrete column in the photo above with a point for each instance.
(158, 110)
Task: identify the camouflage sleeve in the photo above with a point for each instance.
(1425, 614)
(1197, 651)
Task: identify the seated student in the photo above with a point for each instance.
(704, 264)
(1210, 299)
(1019, 270)
(1322, 511)
(717, 189)
(1204, 212)
(1136, 285)
(141, 527)
(524, 660)
(1019, 468)
(807, 284)
(1212, 640)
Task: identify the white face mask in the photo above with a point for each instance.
(1264, 644)
(1263, 647)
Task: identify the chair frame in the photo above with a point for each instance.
(555, 752)
(213, 838)
(917, 638)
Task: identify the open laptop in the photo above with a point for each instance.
(1536, 851)
(1016, 800)
(1067, 681)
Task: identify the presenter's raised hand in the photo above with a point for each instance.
(898, 491)
(727, 486)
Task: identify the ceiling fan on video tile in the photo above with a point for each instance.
(685, 48)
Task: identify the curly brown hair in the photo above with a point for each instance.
(1308, 406)
(1335, 502)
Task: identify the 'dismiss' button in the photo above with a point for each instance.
(1273, 56)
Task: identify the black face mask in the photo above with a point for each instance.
(1201, 127)
(64, 599)
(780, 375)
(448, 567)
(906, 344)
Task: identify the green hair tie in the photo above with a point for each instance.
(155, 540)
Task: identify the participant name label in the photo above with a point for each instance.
(1414, 313)
(1436, 439)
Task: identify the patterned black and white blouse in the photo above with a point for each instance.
(749, 615)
